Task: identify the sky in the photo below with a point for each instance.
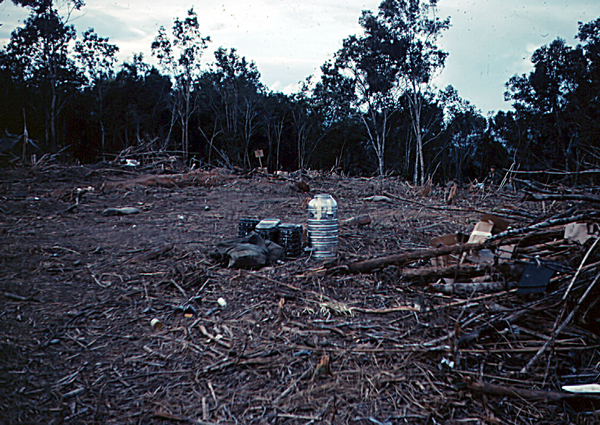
(488, 42)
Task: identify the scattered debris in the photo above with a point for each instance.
(580, 232)
(535, 278)
(156, 324)
(131, 162)
(152, 254)
(409, 318)
(584, 388)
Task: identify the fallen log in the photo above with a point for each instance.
(371, 264)
(522, 237)
(545, 224)
(556, 244)
(458, 271)
(559, 173)
(509, 391)
(437, 272)
(193, 178)
(361, 220)
(561, 197)
(366, 266)
(470, 288)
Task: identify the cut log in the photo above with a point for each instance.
(469, 288)
(366, 266)
(438, 272)
(508, 391)
(361, 220)
(402, 259)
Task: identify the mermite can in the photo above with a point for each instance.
(323, 226)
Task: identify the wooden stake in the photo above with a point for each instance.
(25, 137)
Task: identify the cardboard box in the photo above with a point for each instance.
(488, 225)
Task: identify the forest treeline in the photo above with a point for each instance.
(373, 109)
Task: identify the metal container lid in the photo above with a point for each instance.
(268, 224)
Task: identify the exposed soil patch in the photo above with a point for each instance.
(293, 344)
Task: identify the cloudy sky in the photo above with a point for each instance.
(489, 41)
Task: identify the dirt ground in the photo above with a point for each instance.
(290, 344)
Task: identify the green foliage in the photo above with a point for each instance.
(554, 124)
(96, 56)
(181, 59)
(39, 6)
(38, 59)
(397, 54)
(373, 110)
(233, 99)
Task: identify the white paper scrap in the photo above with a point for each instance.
(583, 388)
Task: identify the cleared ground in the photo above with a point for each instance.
(293, 344)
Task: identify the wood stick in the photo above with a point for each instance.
(558, 173)
(17, 297)
(365, 266)
(432, 207)
(587, 254)
(369, 265)
(152, 254)
(451, 271)
(470, 288)
(561, 197)
(563, 325)
(361, 220)
(386, 310)
(544, 224)
(405, 258)
(503, 391)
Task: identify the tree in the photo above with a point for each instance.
(403, 134)
(306, 124)
(396, 55)
(97, 57)
(181, 58)
(235, 96)
(360, 68)
(585, 101)
(45, 4)
(38, 56)
(138, 105)
(415, 22)
(545, 98)
(275, 123)
(347, 141)
(463, 133)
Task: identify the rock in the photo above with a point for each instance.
(120, 211)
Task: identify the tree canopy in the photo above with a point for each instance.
(373, 109)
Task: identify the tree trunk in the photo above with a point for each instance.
(186, 121)
(53, 117)
(102, 129)
(377, 138)
(415, 106)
